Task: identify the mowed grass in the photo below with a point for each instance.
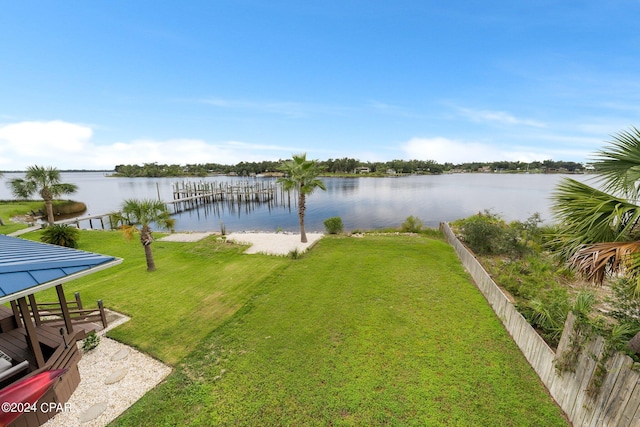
(196, 287)
(9, 209)
(383, 330)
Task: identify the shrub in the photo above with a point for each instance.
(295, 254)
(61, 235)
(625, 301)
(488, 234)
(91, 341)
(547, 316)
(67, 207)
(334, 225)
(412, 225)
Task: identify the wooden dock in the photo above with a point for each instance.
(194, 195)
(189, 195)
(101, 219)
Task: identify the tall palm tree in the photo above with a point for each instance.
(599, 228)
(137, 216)
(302, 176)
(46, 182)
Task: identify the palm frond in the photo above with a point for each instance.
(598, 259)
(63, 188)
(145, 212)
(129, 230)
(548, 317)
(21, 188)
(586, 216)
(584, 303)
(301, 174)
(619, 164)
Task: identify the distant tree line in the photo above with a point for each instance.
(346, 166)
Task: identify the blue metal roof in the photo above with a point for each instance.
(27, 267)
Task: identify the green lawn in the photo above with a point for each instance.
(9, 209)
(197, 286)
(383, 330)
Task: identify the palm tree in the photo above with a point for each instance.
(142, 213)
(302, 176)
(599, 229)
(46, 182)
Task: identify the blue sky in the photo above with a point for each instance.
(102, 83)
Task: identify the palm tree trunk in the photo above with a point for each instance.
(301, 209)
(49, 206)
(146, 239)
(151, 265)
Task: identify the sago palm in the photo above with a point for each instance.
(137, 216)
(599, 230)
(301, 176)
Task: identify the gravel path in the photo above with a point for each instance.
(113, 377)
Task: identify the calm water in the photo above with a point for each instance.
(363, 203)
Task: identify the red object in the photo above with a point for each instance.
(22, 396)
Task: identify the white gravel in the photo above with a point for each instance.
(274, 243)
(141, 374)
(185, 237)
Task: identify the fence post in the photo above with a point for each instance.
(78, 300)
(103, 315)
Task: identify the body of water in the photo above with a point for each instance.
(362, 203)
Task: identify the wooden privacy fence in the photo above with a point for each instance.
(616, 402)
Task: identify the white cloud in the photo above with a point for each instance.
(39, 140)
(444, 150)
(70, 146)
(499, 117)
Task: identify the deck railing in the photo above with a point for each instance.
(51, 312)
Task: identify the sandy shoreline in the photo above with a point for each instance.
(274, 243)
(261, 243)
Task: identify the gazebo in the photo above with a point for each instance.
(34, 339)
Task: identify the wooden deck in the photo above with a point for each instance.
(14, 343)
(59, 352)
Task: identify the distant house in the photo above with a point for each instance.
(362, 169)
(391, 171)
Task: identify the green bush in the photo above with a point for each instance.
(334, 225)
(625, 301)
(488, 234)
(412, 224)
(295, 254)
(61, 235)
(67, 207)
(91, 341)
